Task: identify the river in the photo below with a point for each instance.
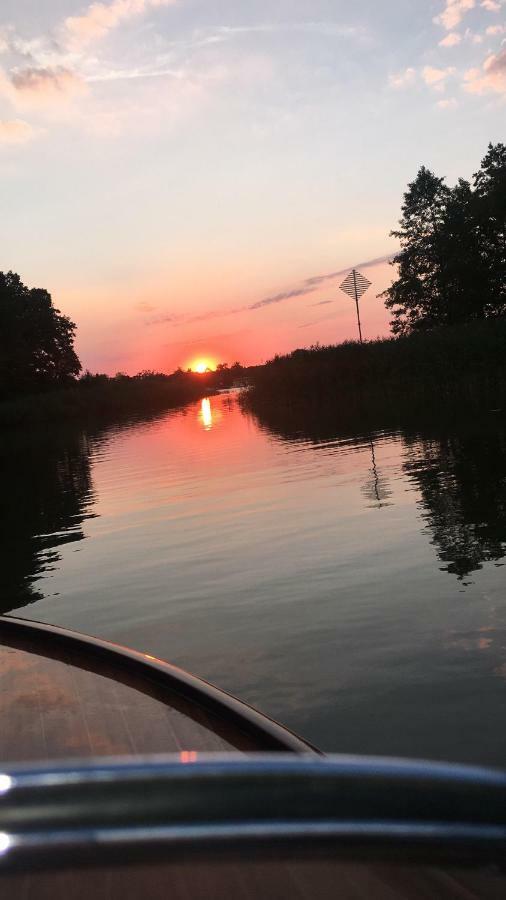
(350, 586)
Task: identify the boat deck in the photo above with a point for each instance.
(247, 879)
(56, 703)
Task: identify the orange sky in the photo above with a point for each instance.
(148, 335)
(184, 177)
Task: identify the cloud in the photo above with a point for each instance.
(451, 39)
(305, 288)
(308, 286)
(45, 85)
(436, 78)
(491, 5)
(473, 37)
(453, 13)
(494, 30)
(144, 306)
(101, 18)
(322, 303)
(491, 78)
(403, 79)
(15, 131)
(451, 103)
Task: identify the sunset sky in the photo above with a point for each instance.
(192, 178)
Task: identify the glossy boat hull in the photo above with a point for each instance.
(64, 694)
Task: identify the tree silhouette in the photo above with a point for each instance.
(36, 340)
(490, 191)
(452, 261)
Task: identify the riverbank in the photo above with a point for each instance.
(461, 367)
(103, 400)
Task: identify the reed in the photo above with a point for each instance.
(446, 368)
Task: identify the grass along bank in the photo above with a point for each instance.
(447, 368)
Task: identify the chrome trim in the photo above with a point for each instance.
(339, 806)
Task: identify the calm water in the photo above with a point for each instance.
(350, 586)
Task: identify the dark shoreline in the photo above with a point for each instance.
(104, 403)
(383, 383)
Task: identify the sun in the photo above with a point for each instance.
(203, 365)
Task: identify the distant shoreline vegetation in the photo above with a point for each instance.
(101, 399)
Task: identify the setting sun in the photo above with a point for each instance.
(203, 365)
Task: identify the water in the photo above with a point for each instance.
(351, 586)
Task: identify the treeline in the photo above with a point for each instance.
(100, 399)
(451, 267)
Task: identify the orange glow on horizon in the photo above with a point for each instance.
(203, 365)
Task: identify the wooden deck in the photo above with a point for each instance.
(249, 880)
(53, 707)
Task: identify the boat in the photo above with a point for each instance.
(124, 776)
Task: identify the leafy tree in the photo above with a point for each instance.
(452, 261)
(490, 193)
(36, 340)
(416, 298)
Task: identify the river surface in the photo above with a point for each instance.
(350, 586)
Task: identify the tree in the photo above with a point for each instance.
(416, 298)
(452, 261)
(490, 193)
(36, 340)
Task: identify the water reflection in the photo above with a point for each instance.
(295, 560)
(376, 488)
(206, 413)
(47, 493)
(462, 482)
(461, 476)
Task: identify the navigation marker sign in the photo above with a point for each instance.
(355, 285)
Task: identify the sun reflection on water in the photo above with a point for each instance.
(206, 414)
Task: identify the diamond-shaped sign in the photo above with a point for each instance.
(355, 285)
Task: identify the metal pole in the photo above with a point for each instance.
(356, 302)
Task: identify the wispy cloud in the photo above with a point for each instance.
(492, 5)
(301, 291)
(437, 78)
(452, 39)
(308, 286)
(491, 78)
(101, 18)
(42, 86)
(403, 79)
(15, 131)
(453, 13)
(450, 103)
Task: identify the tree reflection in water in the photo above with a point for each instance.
(459, 470)
(47, 494)
(462, 482)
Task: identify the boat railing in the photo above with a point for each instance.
(338, 806)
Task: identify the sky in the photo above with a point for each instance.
(194, 179)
